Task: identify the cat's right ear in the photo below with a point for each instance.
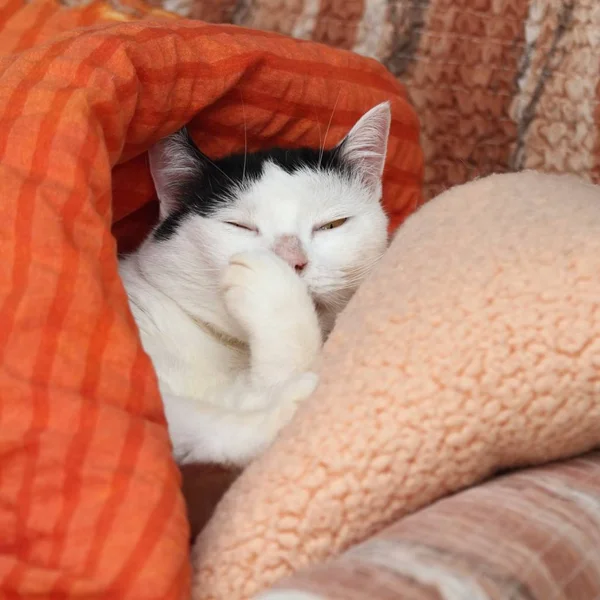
(365, 147)
(174, 161)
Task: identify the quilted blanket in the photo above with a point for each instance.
(90, 502)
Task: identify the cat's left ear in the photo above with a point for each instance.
(174, 162)
(365, 147)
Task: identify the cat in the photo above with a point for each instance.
(239, 283)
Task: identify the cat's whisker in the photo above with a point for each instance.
(318, 122)
(334, 303)
(328, 126)
(216, 166)
(358, 276)
(347, 280)
(245, 139)
(351, 278)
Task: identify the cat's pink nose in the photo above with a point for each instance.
(289, 247)
(299, 265)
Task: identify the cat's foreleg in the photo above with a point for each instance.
(204, 432)
(271, 302)
(236, 422)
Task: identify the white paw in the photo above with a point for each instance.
(259, 288)
(299, 388)
(288, 399)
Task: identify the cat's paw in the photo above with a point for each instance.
(260, 288)
(288, 399)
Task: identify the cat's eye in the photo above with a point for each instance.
(332, 224)
(242, 226)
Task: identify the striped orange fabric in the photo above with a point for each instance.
(24, 25)
(89, 496)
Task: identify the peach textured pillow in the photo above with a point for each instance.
(474, 346)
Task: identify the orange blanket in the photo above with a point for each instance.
(89, 496)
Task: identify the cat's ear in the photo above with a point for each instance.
(174, 161)
(365, 147)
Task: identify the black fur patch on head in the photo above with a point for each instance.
(216, 182)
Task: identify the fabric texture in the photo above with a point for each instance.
(531, 535)
(90, 502)
(499, 85)
(474, 346)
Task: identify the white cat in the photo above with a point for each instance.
(234, 290)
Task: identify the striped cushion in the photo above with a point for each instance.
(531, 535)
(498, 86)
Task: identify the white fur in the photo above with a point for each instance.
(231, 328)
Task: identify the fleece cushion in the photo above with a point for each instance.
(532, 534)
(90, 502)
(474, 346)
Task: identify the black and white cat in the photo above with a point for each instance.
(235, 289)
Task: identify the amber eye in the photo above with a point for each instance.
(333, 224)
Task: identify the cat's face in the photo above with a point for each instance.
(319, 211)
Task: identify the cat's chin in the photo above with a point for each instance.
(327, 312)
(332, 301)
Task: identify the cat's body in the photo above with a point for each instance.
(241, 280)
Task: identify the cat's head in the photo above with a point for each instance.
(319, 210)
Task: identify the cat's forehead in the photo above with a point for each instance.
(305, 189)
